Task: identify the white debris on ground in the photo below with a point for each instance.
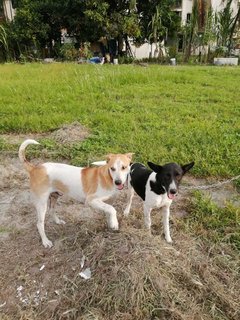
(42, 267)
(82, 261)
(19, 295)
(86, 274)
(31, 299)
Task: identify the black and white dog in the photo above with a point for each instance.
(157, 188)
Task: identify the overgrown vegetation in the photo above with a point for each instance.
(214, 223)
(209, 33)
(35, 31)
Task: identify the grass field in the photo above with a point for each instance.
(162, 114)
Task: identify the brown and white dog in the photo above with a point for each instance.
(87, 185)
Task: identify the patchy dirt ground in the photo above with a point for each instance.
(132, 271)
(68, 133)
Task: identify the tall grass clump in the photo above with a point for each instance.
(214, 223)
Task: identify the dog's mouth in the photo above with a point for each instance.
(171, 196)
(120, 186)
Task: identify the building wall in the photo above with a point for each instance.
(217, 5)
(186, 9)
(141, 52)
(146, 50)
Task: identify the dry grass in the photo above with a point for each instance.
(134, 276)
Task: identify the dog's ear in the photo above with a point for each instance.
(129, 155)
(187, 167)
(155, 167)
(108, 157)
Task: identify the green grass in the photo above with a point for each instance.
(213, 223)
(161, 113)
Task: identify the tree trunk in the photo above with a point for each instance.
(232, 29)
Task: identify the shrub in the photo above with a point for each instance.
(125, 60)
(68, 52)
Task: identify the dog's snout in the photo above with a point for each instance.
(173, 191)
(118, 182)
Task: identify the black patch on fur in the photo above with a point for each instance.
(156, 186)
(139, 176)
(165, 175)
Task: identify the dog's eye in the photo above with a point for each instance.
(124, 167)
(178, 176)
(113, 169)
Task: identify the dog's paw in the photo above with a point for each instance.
(47, 243)
(126, 212)
(169, 240)
(113, 224)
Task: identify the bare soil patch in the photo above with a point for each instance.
(134, 275)
(69, 133)
(74, 132)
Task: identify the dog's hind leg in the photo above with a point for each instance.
(129, 201)
(108, 209)
(53, 197)
(166, 213)
(41, 206)
(147, 216)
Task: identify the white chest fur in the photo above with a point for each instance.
(153, 200)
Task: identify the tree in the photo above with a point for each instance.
(170, 22)
(209, 32)
(38, 23)
(190, 31)
(4, 42)
(225, 21)
(234, 24)
(157, 30)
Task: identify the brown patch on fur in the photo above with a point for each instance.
(105, 178)
(125, 158)
(92, 176)
(89, 180)
(59, 186)
(39, 180)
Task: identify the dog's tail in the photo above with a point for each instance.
(21, 154)
(99, 163)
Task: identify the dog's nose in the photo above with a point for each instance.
(173, 191)
(118, 182)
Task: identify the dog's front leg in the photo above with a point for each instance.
(147, 215)
(53, 197)
(129, 201)
(108, 209)
(166, 214)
